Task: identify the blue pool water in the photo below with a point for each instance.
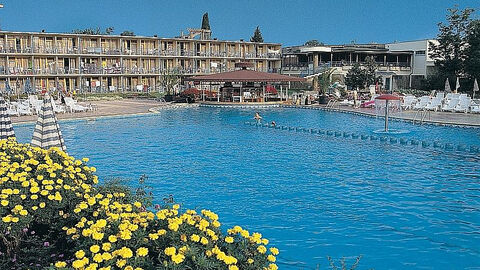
(399, 206)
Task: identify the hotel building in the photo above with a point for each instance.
(400, 64)
(121, 63)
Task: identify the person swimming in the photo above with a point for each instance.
(274, 124)
(257, 117)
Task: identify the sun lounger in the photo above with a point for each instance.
(57, 108)
(450, 106)
(420, 105)
(475, 106)
(408, 102)
(12, 111)
(434, 104)
(463, 105)
(73, 106)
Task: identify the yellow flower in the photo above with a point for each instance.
(106, 246)
(229, 239)
(272, 266)
(142, 252)
(178, 258)
(170, 251)
(95, 249)
(274, 251)
(232, 267)
(195, 238)
(80, 254)
(271, 258)
(250, 261)
(262, 249)
(121, 263)
(60, 264)
(4, 202)
(112, 238)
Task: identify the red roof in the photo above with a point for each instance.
(388, 97)
(245, 75)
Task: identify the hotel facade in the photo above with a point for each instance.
(401, 65)
(111, 63)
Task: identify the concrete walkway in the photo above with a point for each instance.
(104, 108)
(449, 118)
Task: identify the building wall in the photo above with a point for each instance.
(421, 54)
(112, 63)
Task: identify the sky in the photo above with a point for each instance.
(288, 22)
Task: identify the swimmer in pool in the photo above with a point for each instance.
(257, 117)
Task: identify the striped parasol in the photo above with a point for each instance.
(6, 129)
(47, 133)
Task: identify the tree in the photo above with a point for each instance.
(109, 30)
(370, 70)
(88, 31)
(356, 77)
(313, 43)
(323, 80)
(205, 22)
(94, 31)
(472, 61)
(257, 35)
(169, 80)
(127, 33)
(450, 50)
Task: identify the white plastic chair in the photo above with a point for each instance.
(463, 105)
(408, 102)
(73, 106)
(57, 108)
(422, 103)
(450, 106)
(434, 104)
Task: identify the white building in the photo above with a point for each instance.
(400, 64)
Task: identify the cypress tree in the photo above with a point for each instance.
(205, 22)
(257, 36)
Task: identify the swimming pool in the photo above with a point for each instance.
(399, 206)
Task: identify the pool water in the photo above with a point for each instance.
(313, 196)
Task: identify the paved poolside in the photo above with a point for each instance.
(467, 119)
(104, 108)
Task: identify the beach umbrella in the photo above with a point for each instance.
(28, 89)
(6, 128)
(457, 85)
(447, 86)
(47, 132)
(475, 88)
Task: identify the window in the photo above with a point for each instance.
(420, 52)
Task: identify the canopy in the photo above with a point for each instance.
(6, 129)
(388, 97)
(47, 133)
(245, 75)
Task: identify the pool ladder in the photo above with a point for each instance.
(331, 103)
(422, 115)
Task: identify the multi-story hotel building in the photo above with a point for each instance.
(120, 63)
(400, 64)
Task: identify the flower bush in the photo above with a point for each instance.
(56, 216)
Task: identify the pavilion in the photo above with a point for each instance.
(244, 85)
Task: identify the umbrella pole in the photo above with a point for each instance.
(386, 115)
